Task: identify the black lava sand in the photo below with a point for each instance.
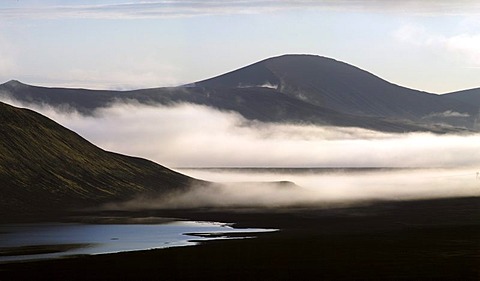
(426, 240)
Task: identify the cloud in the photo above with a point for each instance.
(464, 45)
(8, 55)
(314, 188)
(127, 74)
(467, 45)
(448, 114)
(412, 34)
(265, 85)
(181, 8)
(188, 135)
(236, 195)
(127, 77)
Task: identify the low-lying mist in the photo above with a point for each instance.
(186, 135)
(313, 188)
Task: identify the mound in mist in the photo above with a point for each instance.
(47, 168)
(285, 89)
(225, 195)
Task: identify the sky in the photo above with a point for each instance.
(428, 45)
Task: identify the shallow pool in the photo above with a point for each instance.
(105, 238)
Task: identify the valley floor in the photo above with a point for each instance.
(430, 239)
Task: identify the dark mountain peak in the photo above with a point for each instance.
(15, 84)
(282, 70)
(317, 73)
(300, 58)
(315, 79)
(333, 84)
(254, 75)
(310, 65)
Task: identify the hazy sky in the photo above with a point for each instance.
(123, 44)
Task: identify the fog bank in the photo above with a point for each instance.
(313, 189)
(188, 135)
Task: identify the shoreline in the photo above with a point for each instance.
(423, 239)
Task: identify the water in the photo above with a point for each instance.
(106, 238)
(316, 186)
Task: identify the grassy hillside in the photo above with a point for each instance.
(45, 167)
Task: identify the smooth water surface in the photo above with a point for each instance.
(106, 238)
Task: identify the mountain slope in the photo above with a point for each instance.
(338, 86)
(83, 100)
(254, 103)
(45, 167)
(269, 105)
(290, 88)
(471, 96)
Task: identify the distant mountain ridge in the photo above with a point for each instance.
(46, 168)
(338, 86)
(289, 88)
(254, 103)
(471, 96)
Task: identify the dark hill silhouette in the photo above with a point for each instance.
(82, 100)
(289, 88)
(47, 169)
(253, 103)
(338, 86)
(470, 96)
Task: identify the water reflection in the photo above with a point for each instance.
(82, 239)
